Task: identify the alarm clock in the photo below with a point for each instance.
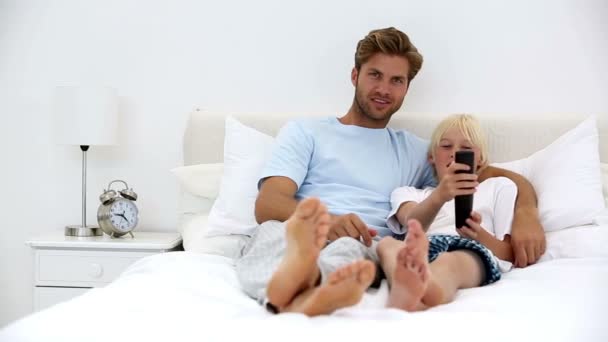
(117, 213)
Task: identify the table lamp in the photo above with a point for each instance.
(86, 116)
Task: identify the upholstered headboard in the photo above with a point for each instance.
(510, 136)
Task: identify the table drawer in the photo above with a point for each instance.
(81, 268)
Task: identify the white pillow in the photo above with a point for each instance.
(200, 180)
(605, 182)
(246, 150)
(200, 186)
(194, 230)
(566, 177)
(577, 242)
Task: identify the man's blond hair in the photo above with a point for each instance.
(392, 42)
(470, 128)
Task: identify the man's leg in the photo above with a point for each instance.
(261, 256)
(306, 234)
(344, 287)
(292, 287)
(344, 273)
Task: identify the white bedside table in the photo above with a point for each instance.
(67, 266)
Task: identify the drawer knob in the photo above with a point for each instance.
(96, 270)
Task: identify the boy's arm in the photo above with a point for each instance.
(452, 184)
(500, 248)
(527, 234)
(425, 211)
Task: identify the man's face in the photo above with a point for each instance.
(381, 85)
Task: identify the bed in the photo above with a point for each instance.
(194, 295)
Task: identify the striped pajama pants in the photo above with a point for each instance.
(266, 248)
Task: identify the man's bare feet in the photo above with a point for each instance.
(344, 288)
(306, 233)
(411, 275)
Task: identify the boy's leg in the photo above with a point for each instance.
(451, 271)
(405, 264)
(415, 284)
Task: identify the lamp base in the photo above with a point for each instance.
(81, 231)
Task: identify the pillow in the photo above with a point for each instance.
(566, 177)
(200, 180)
(200, 186)
(245, 153)
(577, 242)
(605, 182)
(194, 231)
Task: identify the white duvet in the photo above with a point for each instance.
(187, 296)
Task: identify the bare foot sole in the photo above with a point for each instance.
(411, 275)
(306, 234)
(344, 287)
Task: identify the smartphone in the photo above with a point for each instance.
(463, 205)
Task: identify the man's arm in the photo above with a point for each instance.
(527, 234)
(276, 199)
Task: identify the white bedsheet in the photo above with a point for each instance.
(189, 296)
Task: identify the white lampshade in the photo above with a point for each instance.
(86, 115)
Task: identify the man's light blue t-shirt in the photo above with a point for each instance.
(351, 169)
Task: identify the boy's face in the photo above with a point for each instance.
(451, 141)
(381, 85)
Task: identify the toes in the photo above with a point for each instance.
(307, 207)
(367, 271)
(402, 255)
(414, 226)
(322, 218)
(333, 277)
(362, 269)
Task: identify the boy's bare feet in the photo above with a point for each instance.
(344, 288)
(411, 275)
(306, 233)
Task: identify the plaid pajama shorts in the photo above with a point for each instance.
(446, 243)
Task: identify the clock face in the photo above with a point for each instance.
(123, 215)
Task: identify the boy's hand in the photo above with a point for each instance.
(350, 225)
(474, 231)
(455, 184)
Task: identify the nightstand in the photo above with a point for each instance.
(67, 266)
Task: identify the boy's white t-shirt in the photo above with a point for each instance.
(494, 201)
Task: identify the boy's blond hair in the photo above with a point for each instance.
(470, 128)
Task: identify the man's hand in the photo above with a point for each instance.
(527, 238)
(350, 225)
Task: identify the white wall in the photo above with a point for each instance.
(166, 58)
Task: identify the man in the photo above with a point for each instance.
(352, 164)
